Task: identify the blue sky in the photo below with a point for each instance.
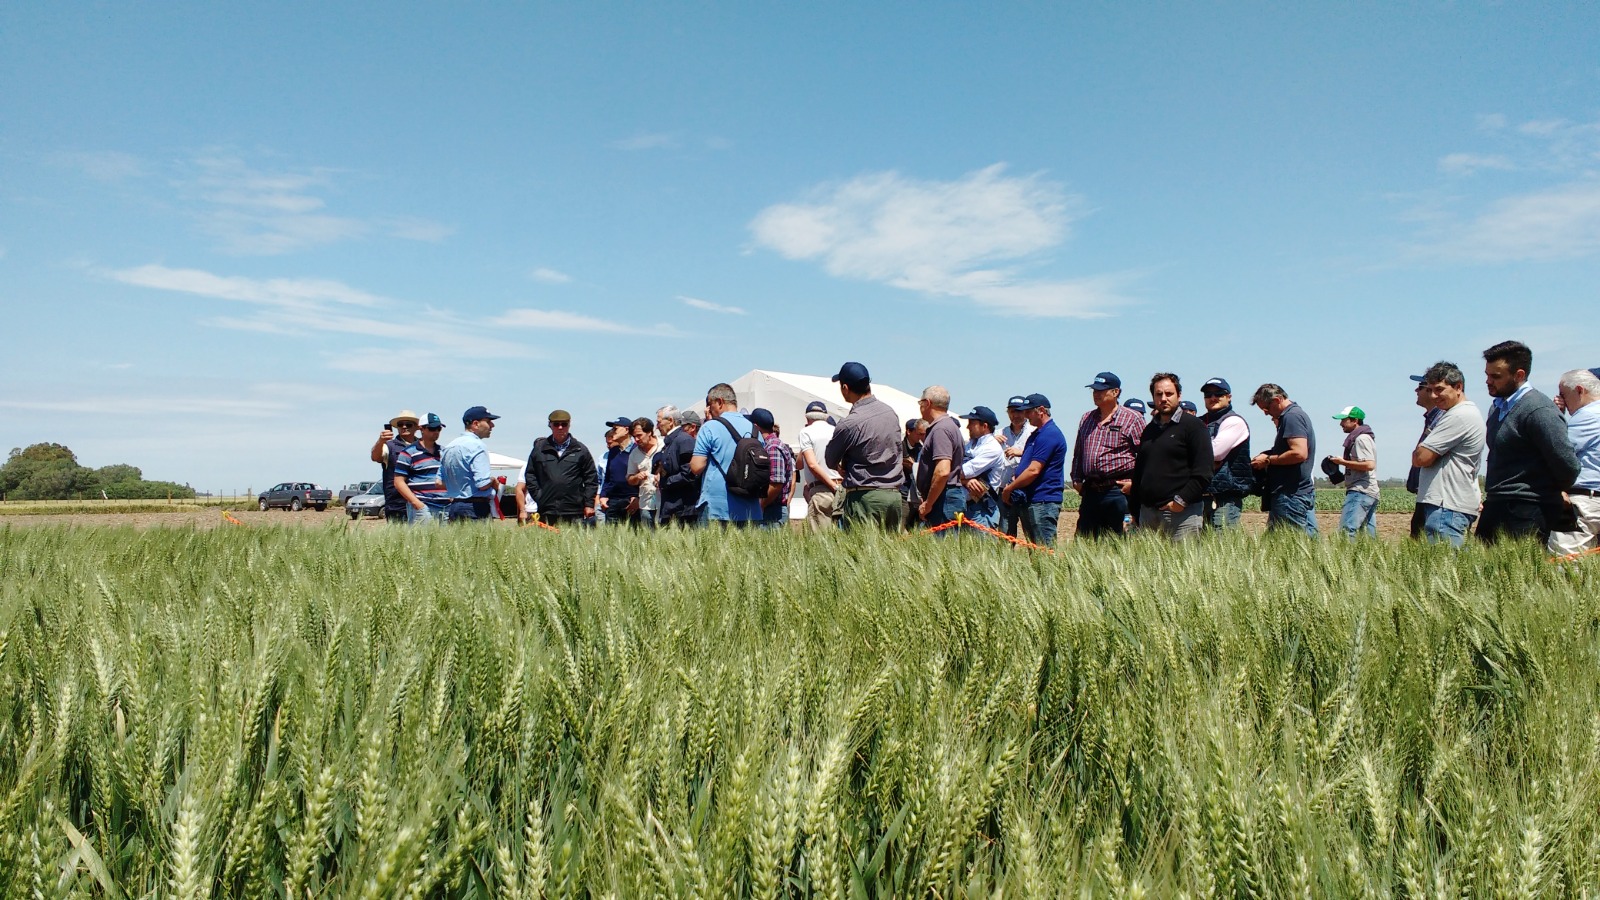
(235, 238)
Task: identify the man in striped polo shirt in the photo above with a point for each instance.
(1103, 459)
(416, 475)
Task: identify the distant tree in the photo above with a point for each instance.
(52, 472)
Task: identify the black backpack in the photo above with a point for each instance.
(750, 473)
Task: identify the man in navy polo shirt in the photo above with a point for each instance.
(1038, 486)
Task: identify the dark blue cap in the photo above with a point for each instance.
(1188, 406)
(852, 373)
(1036, 401)
(983, 414)
(1421, 378)
(912, 423)
(1216, 386)
(433, 421)
(1136, 405)
(763, 418)
(1017, 402)
(620, 422)
(816, 406)
(1595, 372)
(476, 413)
(1105, 381)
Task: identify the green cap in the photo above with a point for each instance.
(1352, 412)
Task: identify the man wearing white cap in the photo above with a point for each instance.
(1360, 476)
(400, 433)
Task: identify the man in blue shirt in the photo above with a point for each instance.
(1578, 391)
(713, 454)
(1037, 487)
(1291, 492)
(464, 466)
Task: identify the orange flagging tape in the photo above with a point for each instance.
(540, 524)
(1574, 557)
(228, 516)
(962, 521)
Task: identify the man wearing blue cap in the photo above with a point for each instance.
(464, 466)
(1231, 477)
(865, 450)
(616, 492)
(1038, 487)
(775, 505)
(416, 475)
(1103, 459)
(982, 469)
(1014, 438)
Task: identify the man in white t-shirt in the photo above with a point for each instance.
(1360, 462)
(641, 471)
(1448, 458)
(818, 483)
(1014, 438)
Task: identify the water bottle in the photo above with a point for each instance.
(1127, 521)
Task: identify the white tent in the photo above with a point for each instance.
(785, 395)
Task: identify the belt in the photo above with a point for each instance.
(857, 490)
(1104, 482)
(1584, 492)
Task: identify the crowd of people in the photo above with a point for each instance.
(1178, 473)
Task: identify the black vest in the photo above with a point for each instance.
(1234, 477)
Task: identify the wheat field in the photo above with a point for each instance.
(283, 712)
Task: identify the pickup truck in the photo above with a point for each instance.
(354, 488)
(296, 495)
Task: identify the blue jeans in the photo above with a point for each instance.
(1102, 512)
(1440, 524)
(951, 503)
(1223, 512)
(471, 510)
(1039, 522)
(1293, 511)
(1360, 511)
(428, 514)
(775, 516)
(984, 512)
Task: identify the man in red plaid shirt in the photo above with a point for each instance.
(775, 506)
(1103, 458)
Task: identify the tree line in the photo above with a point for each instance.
(52, 472)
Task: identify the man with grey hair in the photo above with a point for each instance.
(818, 484)
(939, 485)
(1578, 391)
(1448, 458)
(1291, 493)
(678, 486)
(713, 457)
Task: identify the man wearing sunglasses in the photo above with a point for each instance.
(417, 476)
(560, 480)
(400, 433)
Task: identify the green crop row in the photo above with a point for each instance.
(474, 712)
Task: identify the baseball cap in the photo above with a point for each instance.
(1351, 412)
(1017, 402)
(1035, 401)
(1419, 379)
(1137, 405)
(433, 421)
(1216, 386)
(912, 423)
(475, 413)
(559, 415)
(763, 418)
(1188, 406)
(815, 410)
(1595, 372)
(620, 422)
(1105, 381)
(689, 417)
(983, 414)
(852, 373)
(405, 415)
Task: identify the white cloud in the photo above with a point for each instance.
(261, 213)
(109, 166)
(647, 141)
(942, 238)
(1468, 163)
(551, 276)
(1561, 222)
(708, 306)
(313, 306)
(560, 320)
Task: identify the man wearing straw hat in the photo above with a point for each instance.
(400, 433)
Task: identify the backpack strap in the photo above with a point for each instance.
(733, 433)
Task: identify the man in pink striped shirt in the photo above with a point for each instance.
(1103, 458)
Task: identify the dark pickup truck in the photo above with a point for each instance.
(296, 495)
